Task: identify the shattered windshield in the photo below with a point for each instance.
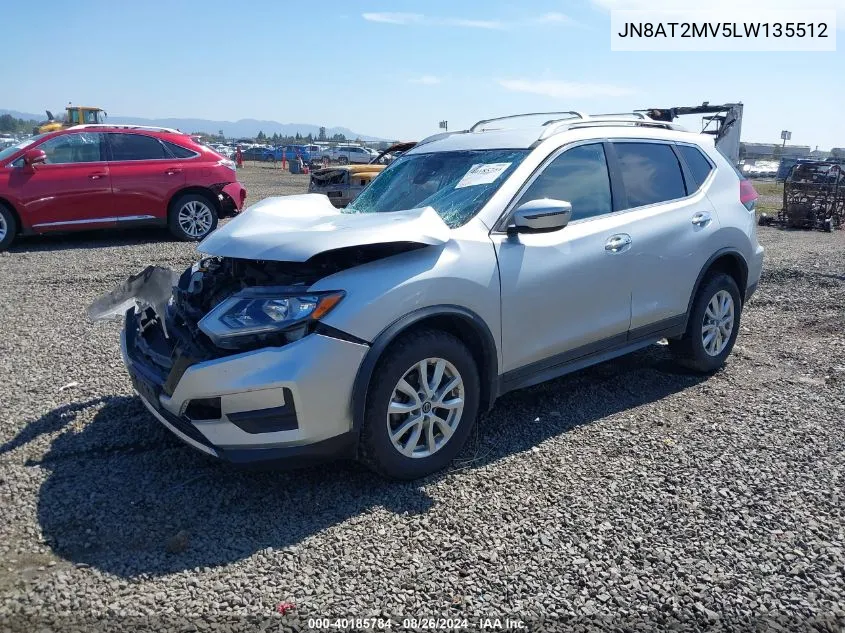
(455, 184)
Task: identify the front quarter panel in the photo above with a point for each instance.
(462, 272)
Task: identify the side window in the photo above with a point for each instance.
(81, 147)
(698, 164)
(178, 151)
(650, 172)
(135, 147)
(579, 176)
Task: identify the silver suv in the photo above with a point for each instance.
(479, 262)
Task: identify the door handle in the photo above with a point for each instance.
(701, 218)
(173, 171)
(97, 175)
(618, 242)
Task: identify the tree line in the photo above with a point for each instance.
(13, 125)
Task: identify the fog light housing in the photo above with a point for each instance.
(203, 409)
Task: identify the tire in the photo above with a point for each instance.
(192, 227)
(8, 227)
(402, 361)
(690, 350)
(343, 160)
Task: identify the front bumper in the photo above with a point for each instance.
(290, 403)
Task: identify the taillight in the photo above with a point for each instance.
(747, 195)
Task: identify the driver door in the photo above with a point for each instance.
(566, 293)
(71, 190)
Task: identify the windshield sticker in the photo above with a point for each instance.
(482, 174)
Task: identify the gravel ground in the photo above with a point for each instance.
(628, 495)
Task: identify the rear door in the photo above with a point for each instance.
(144, 176)
(673, 224)
(72, 190)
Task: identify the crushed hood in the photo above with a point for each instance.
(295, 228)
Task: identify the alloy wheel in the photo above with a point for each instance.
(195, 218)
(3, 228)
(425, 408)
(718, 323)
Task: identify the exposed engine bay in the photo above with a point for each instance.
(162, 320)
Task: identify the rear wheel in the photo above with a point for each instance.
(343, 160)
(8, 227)
(421, 406)
(192, 217)
(713, 325)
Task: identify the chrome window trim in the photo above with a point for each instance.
(127, 218)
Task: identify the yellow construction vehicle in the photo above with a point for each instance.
(75, 115)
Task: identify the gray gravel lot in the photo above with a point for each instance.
(631, 491)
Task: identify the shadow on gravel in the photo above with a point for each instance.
(126, 497)
(102, 238)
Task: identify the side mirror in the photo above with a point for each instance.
(545, 214)
(34, 157)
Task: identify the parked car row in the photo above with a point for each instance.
(312, 154)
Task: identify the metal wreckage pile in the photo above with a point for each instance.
(813, 198)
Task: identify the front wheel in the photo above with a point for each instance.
(192, 217)
(421, 406)
(712, 327)
(8, 227)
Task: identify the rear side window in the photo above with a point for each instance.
(650, 172)
(178, 151)
(698, 164)
(135, 147)
(578, 176)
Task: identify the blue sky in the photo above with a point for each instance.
(394, 69)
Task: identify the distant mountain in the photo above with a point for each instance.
(237, 129)
(26, 116)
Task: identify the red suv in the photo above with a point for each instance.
(103, 176)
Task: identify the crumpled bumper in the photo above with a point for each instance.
(290, 403)
(231, 195)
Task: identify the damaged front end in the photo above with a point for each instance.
(223, 305)
(233, 355)
(231, 196)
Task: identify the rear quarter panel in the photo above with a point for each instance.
(738, 225)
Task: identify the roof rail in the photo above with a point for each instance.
(435, 137)
(573, 114)
(619, 115)
(127, 126)
(634, 119)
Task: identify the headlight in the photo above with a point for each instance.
(257, 311)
